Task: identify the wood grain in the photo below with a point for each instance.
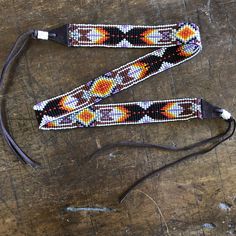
(185, 198)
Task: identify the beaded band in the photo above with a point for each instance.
(177, 43)
(132, 36)
(130, 113)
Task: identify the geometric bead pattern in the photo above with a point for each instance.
(131, 36)
(131, 113)
(175, 44)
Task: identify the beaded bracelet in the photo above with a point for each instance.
(177, 43)
(78, 108)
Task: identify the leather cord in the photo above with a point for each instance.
(15, 51)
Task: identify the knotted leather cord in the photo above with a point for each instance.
(186, 108)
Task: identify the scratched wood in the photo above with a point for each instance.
(197, 197)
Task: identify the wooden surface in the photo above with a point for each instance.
(197, 197)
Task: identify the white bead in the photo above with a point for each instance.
(42, 35)
(225, 114)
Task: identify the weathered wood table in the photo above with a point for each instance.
(197, 197)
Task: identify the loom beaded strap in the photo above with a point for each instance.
(130, 113)
(177, 43)
(77, 108)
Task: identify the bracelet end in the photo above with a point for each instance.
(211, 111)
